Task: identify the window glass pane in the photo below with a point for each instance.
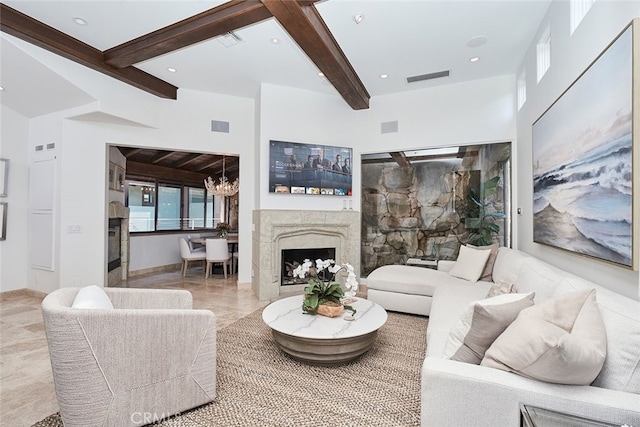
(168, 208)
(142, 206)
(194, 217)
(210, 212)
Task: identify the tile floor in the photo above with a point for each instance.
(26, 384)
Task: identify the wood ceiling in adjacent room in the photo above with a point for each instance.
(178, 166)
(299, 18)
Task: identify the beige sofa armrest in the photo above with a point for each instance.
(456, 393)
(124, 298)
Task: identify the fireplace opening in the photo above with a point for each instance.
(113, 245)
(292, 258)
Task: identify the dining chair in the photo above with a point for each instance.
(188, 255)
(217, 252)
(194, 246)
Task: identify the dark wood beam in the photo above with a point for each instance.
(189, 159)
(400, 158)
(203, 26)
(146, 170)
(305, 25)
(35, 32)
(161, 156)
(212, 165)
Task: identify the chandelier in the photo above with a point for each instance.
(222, 188)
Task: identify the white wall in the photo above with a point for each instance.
(473, 112)
(570, 56)
(14, 137)
(288, 114)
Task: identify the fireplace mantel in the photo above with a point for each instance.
(276, 230)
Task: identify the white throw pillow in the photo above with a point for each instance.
(561, 340)
(92, 297)
(470, 263)
(481, 323)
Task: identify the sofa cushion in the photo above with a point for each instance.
(449, 303)
(470, 263)
(482, 322)
(500, 288)
(92, 297)
(408, 279)
(486, 275)
(562, 341)
(536, 275)
(508, 264)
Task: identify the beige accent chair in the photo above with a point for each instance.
(188, 255)
(217, 252)
(150, 356)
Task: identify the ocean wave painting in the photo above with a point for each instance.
(582, 162)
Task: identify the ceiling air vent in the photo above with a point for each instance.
(230, 39)
(429, 76)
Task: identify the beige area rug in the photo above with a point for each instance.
(258, 385)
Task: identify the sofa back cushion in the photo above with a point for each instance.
(621, 315)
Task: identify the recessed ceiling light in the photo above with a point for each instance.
(1, 88)
(474, 59)
(477, 41)
(384, 76)
(79, 21)
(171, 69)
(275, 40)
(358, 18)
(320, 73)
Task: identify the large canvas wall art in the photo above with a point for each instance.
(583, 162)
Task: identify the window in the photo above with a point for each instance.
(577, 10)
(141, 200)
(198, 203)
(169, 207)
(164, 207)
(522, 89)
(543, 52)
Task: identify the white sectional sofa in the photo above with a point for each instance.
(464, 394)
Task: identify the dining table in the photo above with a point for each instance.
(232, 240)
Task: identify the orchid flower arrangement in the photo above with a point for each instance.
(319, 290)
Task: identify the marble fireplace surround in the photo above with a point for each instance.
(276, 230)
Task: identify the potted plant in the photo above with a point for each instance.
(223, 229)
(482, 214)
(325, 296)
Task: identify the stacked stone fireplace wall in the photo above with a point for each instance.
(276, 230)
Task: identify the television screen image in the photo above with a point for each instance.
(309, 169)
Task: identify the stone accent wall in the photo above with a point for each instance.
(419, 211)
(410, 212)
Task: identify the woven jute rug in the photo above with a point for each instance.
(258, 385)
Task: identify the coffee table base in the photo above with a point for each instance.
(324, 352)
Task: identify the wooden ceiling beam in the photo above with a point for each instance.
(400, 158)
(203, 26)
(189, 159)
(305, 25)
(161, 156)
(35, 32)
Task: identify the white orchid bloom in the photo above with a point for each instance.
(334, 268)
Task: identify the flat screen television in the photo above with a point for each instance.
(297, 168)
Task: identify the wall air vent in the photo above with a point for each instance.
(389, 127)
(219, 126)
(429, 76)
(230, 39)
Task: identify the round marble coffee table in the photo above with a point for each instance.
(321, 340)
